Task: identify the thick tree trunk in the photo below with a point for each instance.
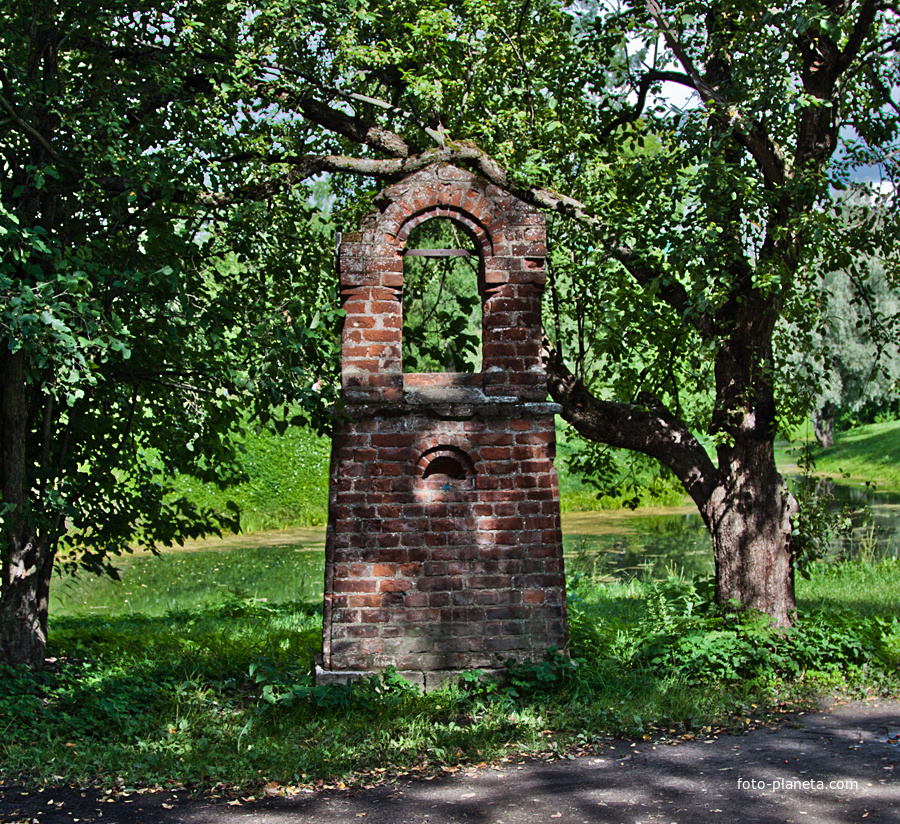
(26, 558)
(749, 518)
(24, 601)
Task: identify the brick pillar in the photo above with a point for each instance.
(443, 550)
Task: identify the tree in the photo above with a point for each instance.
(695, 247)
(851, 360)
(140, 319)
(733, 217)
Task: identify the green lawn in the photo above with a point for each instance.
(222, 695)
(867, 453)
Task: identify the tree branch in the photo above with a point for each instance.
(464, 154)
(650, 428)
(354, 128)
(861, 29)
(668, 289)
(750, 135)
(29, 130)
(647, 80)
(355, 97)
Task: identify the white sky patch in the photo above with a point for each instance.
(677, 95)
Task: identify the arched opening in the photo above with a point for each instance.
(448, 466)
(442, 302)
(446, 463)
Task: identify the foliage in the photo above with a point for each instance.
(141, 318)
(818, 522)
(285, 480)
(684, 633)
(847, 360)
(441, 303)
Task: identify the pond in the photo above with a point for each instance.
(287, 565)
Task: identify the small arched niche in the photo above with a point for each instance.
(447, 464)
(443, 301)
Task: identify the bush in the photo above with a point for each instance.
(685, 635)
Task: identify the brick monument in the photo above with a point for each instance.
(443, 550)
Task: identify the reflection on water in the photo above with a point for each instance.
(288, 566)
(642, 546)
(876, 522)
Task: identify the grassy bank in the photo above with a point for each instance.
(287, 481)
(224, 694)
(867, 453)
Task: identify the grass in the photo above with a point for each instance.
(867, 588)
(222, 695)
(867, 453)
(287, 481)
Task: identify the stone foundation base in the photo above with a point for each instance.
(426, 681)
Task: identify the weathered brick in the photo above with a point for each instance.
(429, 573)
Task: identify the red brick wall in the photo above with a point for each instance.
(444, 549)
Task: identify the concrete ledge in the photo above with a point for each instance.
(500, 407)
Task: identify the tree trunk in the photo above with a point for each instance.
(26, 557)
(823, 424)
(24, 601)
(749, 518)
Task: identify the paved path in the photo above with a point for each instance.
(848, 756)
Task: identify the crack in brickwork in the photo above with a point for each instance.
(436, 571)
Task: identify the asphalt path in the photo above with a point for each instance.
(831, 767)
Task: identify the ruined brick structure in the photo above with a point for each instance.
(444, 550)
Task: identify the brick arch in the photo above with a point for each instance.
(473, 228)
(458, 452)
(511, 238)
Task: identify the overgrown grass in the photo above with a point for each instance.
(867, 453)
(287, 482)
(224, 694)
